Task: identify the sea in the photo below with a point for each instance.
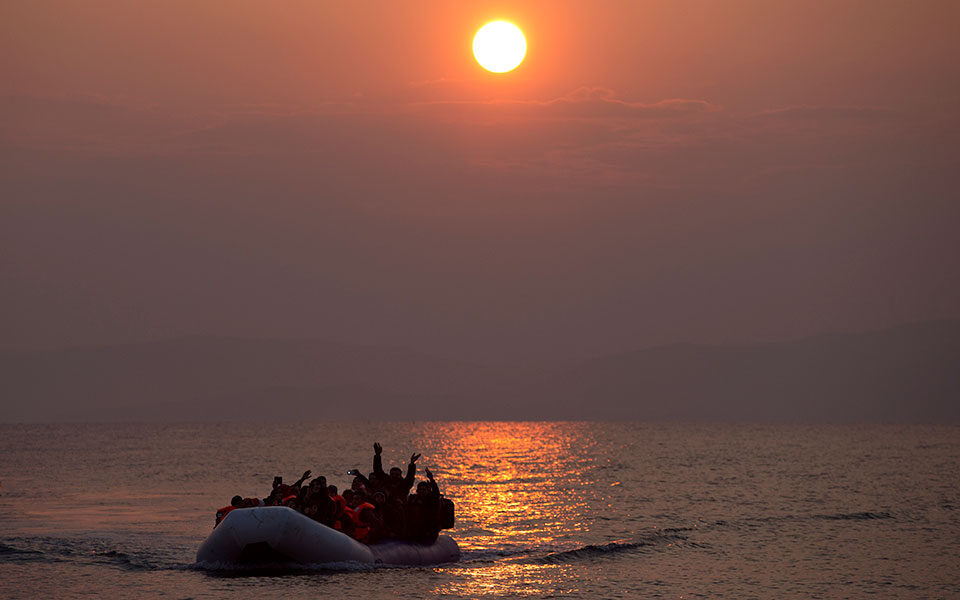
(544, 509)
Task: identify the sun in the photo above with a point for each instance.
(499, 46)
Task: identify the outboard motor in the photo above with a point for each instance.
(446, 513)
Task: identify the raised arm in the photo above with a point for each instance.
(358, 475)
(378, 460)
(300, 481)
(411, 470)
(433, 483)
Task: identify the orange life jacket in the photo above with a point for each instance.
(223, 512)
(348, 515)
(362, 530)
(283, 490)
(340, 505)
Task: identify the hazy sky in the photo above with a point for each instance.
(653, 172)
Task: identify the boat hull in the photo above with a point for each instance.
(277, 534)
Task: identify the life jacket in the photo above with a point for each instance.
(362, 529)
(339, 507)
(350, 519)
(223, 512)
(363, 506)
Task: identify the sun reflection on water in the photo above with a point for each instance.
(523, 491)
(516, 485)
(507, 579)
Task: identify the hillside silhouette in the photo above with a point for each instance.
(904, 374)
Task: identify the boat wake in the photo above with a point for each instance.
(164, 553)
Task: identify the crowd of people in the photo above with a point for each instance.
(376, 507)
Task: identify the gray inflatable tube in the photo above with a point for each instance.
(277, 534)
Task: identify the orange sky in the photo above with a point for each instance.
(743, 55)
(653, 171)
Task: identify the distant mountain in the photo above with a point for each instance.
(906, 374)
(205, 378)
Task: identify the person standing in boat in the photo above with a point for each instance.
(423, 512)
(395, 484)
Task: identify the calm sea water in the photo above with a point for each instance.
(572, 510)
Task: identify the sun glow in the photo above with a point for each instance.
(499, 46)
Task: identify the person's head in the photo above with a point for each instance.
(320, 482)
(292, 502)
(349, 496)
(277, 481)
(423, 488)
(237, 501)
(396, 473)
(357, 484)
(331, 490)
(379, 499)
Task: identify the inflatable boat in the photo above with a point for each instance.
(281, 535)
